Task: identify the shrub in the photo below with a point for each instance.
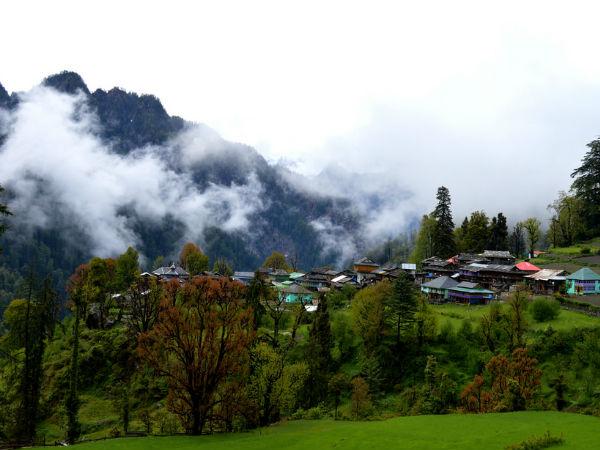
(586, 251)
(545, 310)
(537, 442)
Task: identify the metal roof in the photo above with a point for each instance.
(584, 274)
(366, 262)
(497, 254)
(441, 283)
(546, 274)
(527, 267)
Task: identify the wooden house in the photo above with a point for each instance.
(437, 289)
(435, 266)
(583, 282)
(471, 293)
(501, 257)
(172, 272)
(546, 281)
(295, 293)
(496, 276)
(364, 266)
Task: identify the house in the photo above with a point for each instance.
(314, 279)
(295, 293)
(526, 266)
(584, 281)
(363, 267)
(171, 272)
(502, 257)
(435, 266)
(546, 281)
(497, 276)
(437, 289)
(471, 293)
(243, 277)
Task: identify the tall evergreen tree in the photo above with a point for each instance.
(517, 240)
(586, 185)
(443, 235)
(498, 233)
(320, 342)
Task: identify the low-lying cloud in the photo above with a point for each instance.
(52, 159)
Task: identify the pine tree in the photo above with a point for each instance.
(4, 212)
(587, 187)
(443, 235)
(478, 233)
(320, 342)
(498, 233)
(401, 307)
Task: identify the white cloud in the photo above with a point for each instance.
(53, 160)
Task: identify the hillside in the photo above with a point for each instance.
(223, 195)
(485, 431)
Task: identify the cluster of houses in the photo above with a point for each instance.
(465, 278)
(478, 278)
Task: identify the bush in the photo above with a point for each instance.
(586, 251)
(537, 442)
(545, 310)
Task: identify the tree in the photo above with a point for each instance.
(478, 233)
(80, 291)
(199, 344)
(192, 259)
(517, 240)
(258, 294)
(30, 322)
(459, 235)
(498, 233)
(337, 385)
(425, 238)
(360, 401)
(277, 261)
(143, 305)
(127, 269)
(516, 320)
(509, 384)
(566, 223)
(401, 307)
(533, 228)
(318, 353)
(586, 186)
(222, 267)
(443, 232)
(4, 212)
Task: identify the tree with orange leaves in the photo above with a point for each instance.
(199, 344)
(512, 384)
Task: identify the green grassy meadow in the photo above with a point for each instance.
(483, 431)
(456, 314)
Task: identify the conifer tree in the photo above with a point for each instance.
(443, 235)
(586, 185)
(320, 342)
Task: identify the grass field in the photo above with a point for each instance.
(455, 314)
(484, 431)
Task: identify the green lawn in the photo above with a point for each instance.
(455, 314)
(484, 431)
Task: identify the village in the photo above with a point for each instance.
(464, 278)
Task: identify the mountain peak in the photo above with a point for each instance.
(66, 81)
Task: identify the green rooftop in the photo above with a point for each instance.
(584, 274)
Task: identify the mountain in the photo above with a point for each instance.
(311, 226)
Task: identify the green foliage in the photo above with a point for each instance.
(477, 234)
(127, 269)
(533, 227)
(537, 442)
(544, 310)
(586, 187)
(277, 261)
(425, 239)
(223, 268)
(443, 231)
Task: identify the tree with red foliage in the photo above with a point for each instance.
(199, 343)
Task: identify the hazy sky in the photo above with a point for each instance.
(494, 99)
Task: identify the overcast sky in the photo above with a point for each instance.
(494, 100)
